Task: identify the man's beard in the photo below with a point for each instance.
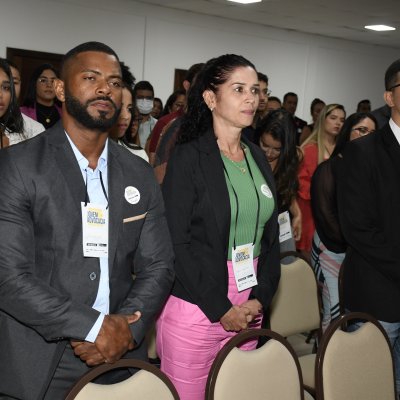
(79, 112)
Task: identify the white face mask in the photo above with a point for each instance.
(144, 106)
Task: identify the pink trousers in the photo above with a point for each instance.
(187, 342)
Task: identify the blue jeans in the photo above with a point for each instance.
(393, 331)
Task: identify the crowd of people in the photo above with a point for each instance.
(224, 179)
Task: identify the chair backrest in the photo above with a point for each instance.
(355, 365)
(147, 384)
(269, 372)
(295, 307)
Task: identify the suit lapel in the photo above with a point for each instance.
(67, 164)
(213, 171)
(392, 146)
(115, 195)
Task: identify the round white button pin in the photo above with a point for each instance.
(132, 195)
(265, 190)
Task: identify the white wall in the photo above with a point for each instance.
(154, 41)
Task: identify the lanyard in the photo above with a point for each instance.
(102, 186)
(237, 201)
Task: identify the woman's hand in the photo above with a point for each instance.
(236, 318)
(296, 219)
(296, 227)
(254, 307)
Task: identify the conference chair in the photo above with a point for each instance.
(149, 383)
(296, 308)
(271, 372)
(355, 364)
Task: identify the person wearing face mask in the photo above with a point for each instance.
(143, 93)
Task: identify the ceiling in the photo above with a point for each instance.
(344, 19)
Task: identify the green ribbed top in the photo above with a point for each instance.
(244, 187)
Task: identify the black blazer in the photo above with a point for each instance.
(198, 213)
(47, 287)
(369, 211)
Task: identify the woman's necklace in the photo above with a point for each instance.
(46, 116)
(243, 170)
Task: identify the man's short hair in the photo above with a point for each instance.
(84, 47)
(262, 77)
(274, 98)
(289, 94)
(391, 74)
(365, 101)
(143, 85)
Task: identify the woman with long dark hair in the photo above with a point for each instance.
(40, 101)
(221, 208)
(11, 122)
(176, 101)
(329, 246)
(276, 136)
(127, 125)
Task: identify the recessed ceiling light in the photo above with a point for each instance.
(246, 1)
(380, 28)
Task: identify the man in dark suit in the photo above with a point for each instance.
(369, 209)
(289, 104)
(78, 215)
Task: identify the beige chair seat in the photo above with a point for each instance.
(296, 307)
(271, 372)
(307, 365)
(355, 365)
(147, 384)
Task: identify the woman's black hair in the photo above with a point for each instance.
(171, 100)
(127, 138)
(314, 103)
(198, 119)
(344, 134)
(12, 119)
(30, 98)
(281, 126)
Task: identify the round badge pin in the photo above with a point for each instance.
(132, 195)
(265, 190)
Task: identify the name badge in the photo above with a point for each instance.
(94, 230)
(285, 229)
(243, 267)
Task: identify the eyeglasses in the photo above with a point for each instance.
(363, 130)
(394, 87)
(45, 81)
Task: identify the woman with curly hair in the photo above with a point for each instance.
(277, 138)
(220, 204)
(11, 122)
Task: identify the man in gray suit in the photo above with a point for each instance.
(78, 215)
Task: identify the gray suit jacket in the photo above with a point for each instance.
(47, 287)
